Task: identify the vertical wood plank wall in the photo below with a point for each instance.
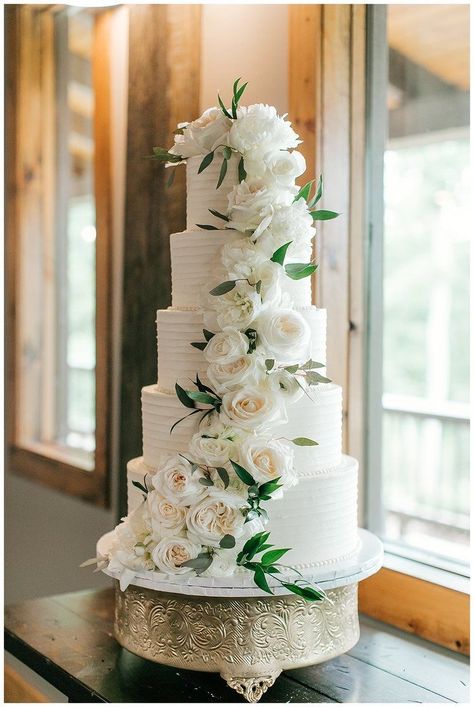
(164, 64)
(326, 104)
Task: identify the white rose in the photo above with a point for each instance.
(252, 407)
(224, 562)
(211, 451)
(226, 346)
(212, 425)
(285, 335)
(241, 257)
(250, 205)
(284, 167)
(177, 483)
(245, 370)
(202, 135)
(133, 541)
(166, 518)
(238, 308)
(287, 385)
(268, 459)
(258, 130)
(170, 553)
(217, 515)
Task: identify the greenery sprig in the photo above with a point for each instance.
(306, 371)
(296, 271)
(203, 395)
(305, 193)
(268, 565)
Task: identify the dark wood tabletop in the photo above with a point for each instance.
(68, 640)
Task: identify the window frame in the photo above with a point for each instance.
(50, 464)
(323, 42)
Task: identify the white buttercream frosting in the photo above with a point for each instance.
(202, 195)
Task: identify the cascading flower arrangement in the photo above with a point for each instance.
(203, 511)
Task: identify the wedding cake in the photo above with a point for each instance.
(242, 474)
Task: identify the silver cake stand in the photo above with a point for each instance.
(247, 636)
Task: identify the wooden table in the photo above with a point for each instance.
(68, 640)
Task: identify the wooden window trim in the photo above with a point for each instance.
(45, 465)
(327, 59)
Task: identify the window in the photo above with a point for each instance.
(58, 232)
(418, 422)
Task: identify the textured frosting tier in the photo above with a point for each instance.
(179, 361)
(195, 266)
(319, 418)
(201, 192)
(317, 518)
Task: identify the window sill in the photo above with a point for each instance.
(443, 577)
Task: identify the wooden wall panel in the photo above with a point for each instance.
(164, 42)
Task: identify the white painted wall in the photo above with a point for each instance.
(250, 41)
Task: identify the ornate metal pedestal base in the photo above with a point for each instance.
(249, 641)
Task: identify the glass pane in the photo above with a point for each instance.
(425, 451)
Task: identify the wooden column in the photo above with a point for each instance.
(164, 68)
(327, 89)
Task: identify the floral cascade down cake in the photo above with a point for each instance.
(242, 482)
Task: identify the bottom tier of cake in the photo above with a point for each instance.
(317, 518)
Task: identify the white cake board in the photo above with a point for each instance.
(366, 562)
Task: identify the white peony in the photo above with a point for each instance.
(267, 460)
(166, 518)
(278, 167)
(287, 385)
(237, 309)
(245, 370)
(211, 451)
(217, 515)
(290, 222)
(226, 346)
(177, 483)
(202, 135)
(259, 129)
(253, 407)
(171, 552)
(285, 335)
(241, 257)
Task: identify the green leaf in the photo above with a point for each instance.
(206, 162)
(171, 177)
(251, 515)
(218, 215)
(194, 412)
(234, 109)
(222, 173)
(178, 131)
(297, 271)
(311, 364)
(314, 378)
(207, 227)
(183, 396)
(140, 486)
(224, 475)
(200, 397)
(199, 563)
(223, 108)
(204, 481)
(227, 152)
(269, 486)
(280, 254)
(223, 288)
(319, 192)
(260, 580)
(164, 156)
(307, 593)
(253, 545)
(258, 287)
(236, 86)
(208, 334)
(273, 556)
(251, 335)
(292, 369)
(199, 344)
(227, 542)
(269, 363)
(239, 93)
(243, 474)
(304, 191)
(323, 215)
(242, 172)
(304, 442)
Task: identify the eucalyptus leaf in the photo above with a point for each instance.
(183, 396)
(206, 162)
(311, 364)
(269, 363)
(292, 369)
(243, 474)
(200, 563)
(323, 215)
(304, 442)
(280, 253)
(227, 542)
(298, 271)
(222, 173)
(223, 288)
(205, 481)
(314, 378)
